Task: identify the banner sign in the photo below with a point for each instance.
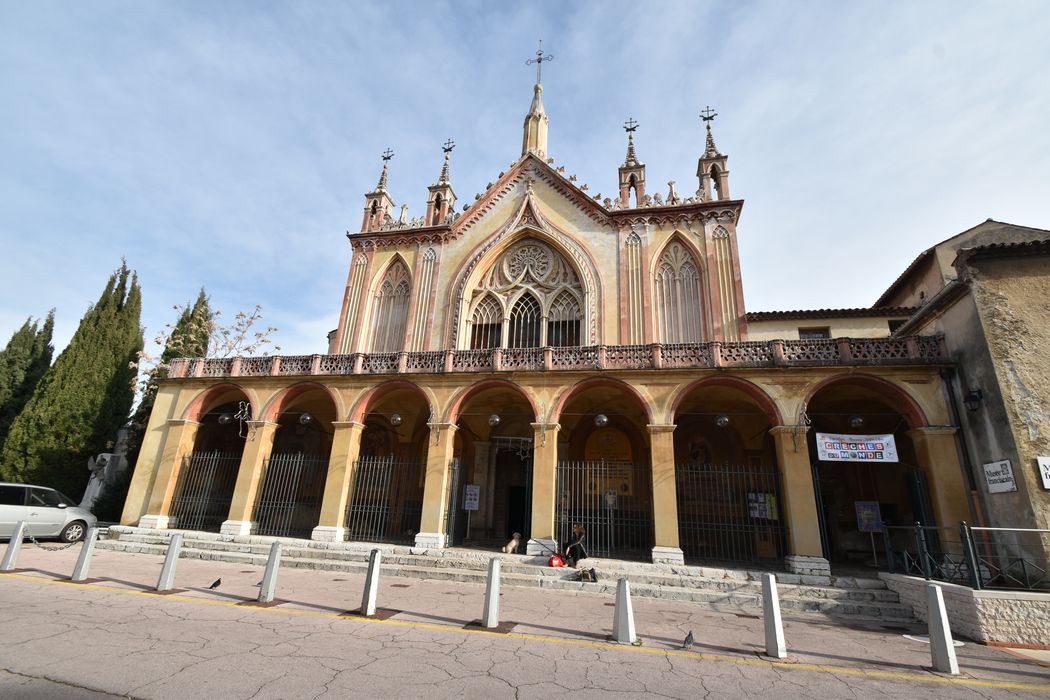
(471, 496)
(869, 517)
(1000, 477)
(856, 448)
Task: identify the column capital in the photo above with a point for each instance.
(661, 428)
(346, 424)
(182, 421)
(546, 426)
(442, 426)
(539, 433)
(788, 429)
(262, 424)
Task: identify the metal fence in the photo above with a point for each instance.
(730, 513)
(289, 500)
(452, 500)
(204, 490)
(979, 557)
(386, 502)
(612, 501)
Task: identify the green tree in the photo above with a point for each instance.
(22, 363)
(84, 398)
(187, 337)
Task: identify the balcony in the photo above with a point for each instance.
(836, 352)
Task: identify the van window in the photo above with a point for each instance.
(44, 497)
(12, 495)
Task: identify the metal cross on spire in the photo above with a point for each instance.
(708, 114)
(540, 58)
(630, 125)
(448, 146)
(388, 154)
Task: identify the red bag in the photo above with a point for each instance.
(555, 560)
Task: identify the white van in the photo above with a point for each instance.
(46, 512)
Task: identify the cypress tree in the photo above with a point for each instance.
(84, 398)
(188, 338)
(22, 363)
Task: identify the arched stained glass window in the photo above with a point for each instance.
(524, 328)
(486, 329)
(390, 310)
(677, 296)
(563, 321)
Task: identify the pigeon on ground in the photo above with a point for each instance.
(218, 582)
(688, 640)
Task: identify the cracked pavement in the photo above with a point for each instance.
(112, 639)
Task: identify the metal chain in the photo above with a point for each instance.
(45, 547)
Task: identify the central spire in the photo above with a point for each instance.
(534, 140)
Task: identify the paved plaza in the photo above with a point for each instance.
(112, 638)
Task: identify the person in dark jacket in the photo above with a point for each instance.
(574, 550)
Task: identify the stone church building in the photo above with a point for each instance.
(545, 357)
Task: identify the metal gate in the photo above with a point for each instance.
(289, 501)
(612, 501)
(204, 490)
(730, 513)
(386, 502)
(452, 519)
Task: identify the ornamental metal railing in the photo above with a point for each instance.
(290, 494)
(979, 557)
(910, 350)
(612, 501)
(204, 490)
(730, 513)
(386, 500)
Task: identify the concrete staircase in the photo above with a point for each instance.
(862, 600)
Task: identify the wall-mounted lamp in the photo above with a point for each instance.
(306, 419)
(973, 399)
(494, 420)
(601, 420)
(396, 419)
(722, 420)
(856, 421)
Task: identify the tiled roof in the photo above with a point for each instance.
(874, 311)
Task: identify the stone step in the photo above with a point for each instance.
(746, 597)
(638, 574)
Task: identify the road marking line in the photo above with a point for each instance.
(702, 656)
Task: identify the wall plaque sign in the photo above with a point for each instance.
(1000, 477)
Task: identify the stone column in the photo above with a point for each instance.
(485, 478)
(544, 485)
(178, 442)
(938, 456)
(439, 453)
(800, 502)
(346, 445)
(249, 475)
(665, 496)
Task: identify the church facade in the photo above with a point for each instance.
(546, 358)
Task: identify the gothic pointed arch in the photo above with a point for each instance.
(678, 302)
(390, 308)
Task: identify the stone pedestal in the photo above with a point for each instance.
(325, 533)
(431, 540)
(238, 528)
(540, 547)
(155, 522)
(807, 566)
(668, 555)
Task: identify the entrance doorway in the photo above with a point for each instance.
(512, 511)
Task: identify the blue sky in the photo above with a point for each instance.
(192, 137)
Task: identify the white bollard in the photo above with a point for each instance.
(167, 572)
(775, 646)
(942, 648)
(269, 582)
(368, 599)
(623, 623)
(490, 617)
(14, 547)
(80, 571)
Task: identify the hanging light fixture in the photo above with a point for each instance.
(722, 420)
(601, 420)
(973, 399)
(225, 418)
(494, 420)
(306, 419)
(856, 421)
(396, 419)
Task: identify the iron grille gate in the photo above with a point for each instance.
(730, 513)
(612, 501)
(289, 501)
(386, 502)
(204, 490)
(452, 519)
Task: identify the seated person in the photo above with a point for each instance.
(574, 550)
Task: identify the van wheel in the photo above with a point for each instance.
(74, 532)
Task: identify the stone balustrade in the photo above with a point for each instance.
(910, 350)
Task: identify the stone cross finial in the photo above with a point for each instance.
(386, 155)
(540, 58)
